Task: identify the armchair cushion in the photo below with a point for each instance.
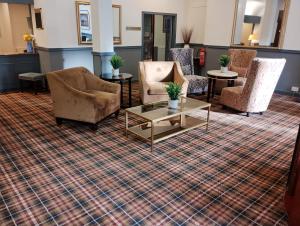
(186, 69)
(157, 88)
(242, 71)
(158, 71)
(104, 99)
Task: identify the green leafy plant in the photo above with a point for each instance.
(224, 60)
(116, 61)
(173, 90)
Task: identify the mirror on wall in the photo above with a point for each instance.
(117, 23)
(260, 23)
(84, 23)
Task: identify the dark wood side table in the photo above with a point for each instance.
(122, 78)
(215, 75)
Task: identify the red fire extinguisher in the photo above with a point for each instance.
(202, 56)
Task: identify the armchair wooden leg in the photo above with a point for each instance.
(117, 113)
(94, 127)
(248, 114)
(58, 121)
(261, 113)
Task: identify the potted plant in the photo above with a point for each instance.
(224, 61)
(174, 91)
(116, 62)
(186, 36)
(29, 42)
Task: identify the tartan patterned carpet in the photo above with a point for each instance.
(233, 175)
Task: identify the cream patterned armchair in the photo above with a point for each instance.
(154, 76)
(240, 62)
(79, 95)
(255, 96)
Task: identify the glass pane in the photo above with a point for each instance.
(160, 110)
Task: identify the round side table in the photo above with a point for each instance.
(122, 78)
(215, 75)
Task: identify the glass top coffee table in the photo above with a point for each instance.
(162, 123)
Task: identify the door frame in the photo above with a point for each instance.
(174, 29)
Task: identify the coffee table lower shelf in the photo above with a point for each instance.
(155, 132)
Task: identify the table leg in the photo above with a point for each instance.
(21, 85)
(46, 84)
(208, 113)
(209, 89)
(229, 83)
(129, 93)
(126, 124)
(152, 136)
(121, 83)
(35, 85)
(213, 87)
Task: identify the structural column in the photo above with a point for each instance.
(102, 25)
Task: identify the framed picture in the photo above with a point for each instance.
(84, 23)
(117, 24)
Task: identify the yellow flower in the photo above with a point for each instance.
(27, 37)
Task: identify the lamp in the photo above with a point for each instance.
(251, 38)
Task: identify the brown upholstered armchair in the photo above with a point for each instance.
(240, 62)
(79, 95)
(155, 76)
(255, 96)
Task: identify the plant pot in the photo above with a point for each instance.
(173, 104)
(29, 47)
(186, 46)
(224, 69)
(116, 72)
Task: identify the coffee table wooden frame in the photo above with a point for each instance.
(166, 127)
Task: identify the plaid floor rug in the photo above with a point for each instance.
(233, 175)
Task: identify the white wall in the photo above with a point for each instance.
(196, 19)
(19, 24)
(6, 40)
(60, 29)
(212, 21)
(59, 22)
(219, 22)
(292, 34)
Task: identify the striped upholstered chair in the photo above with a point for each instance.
(255, 96)
(185, 57)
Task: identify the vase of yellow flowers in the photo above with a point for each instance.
(28, 38)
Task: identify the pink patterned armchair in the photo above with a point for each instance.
(255, 96)
(240, 62)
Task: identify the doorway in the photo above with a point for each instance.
(158, 35)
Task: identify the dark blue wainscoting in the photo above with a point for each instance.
(12, 65)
